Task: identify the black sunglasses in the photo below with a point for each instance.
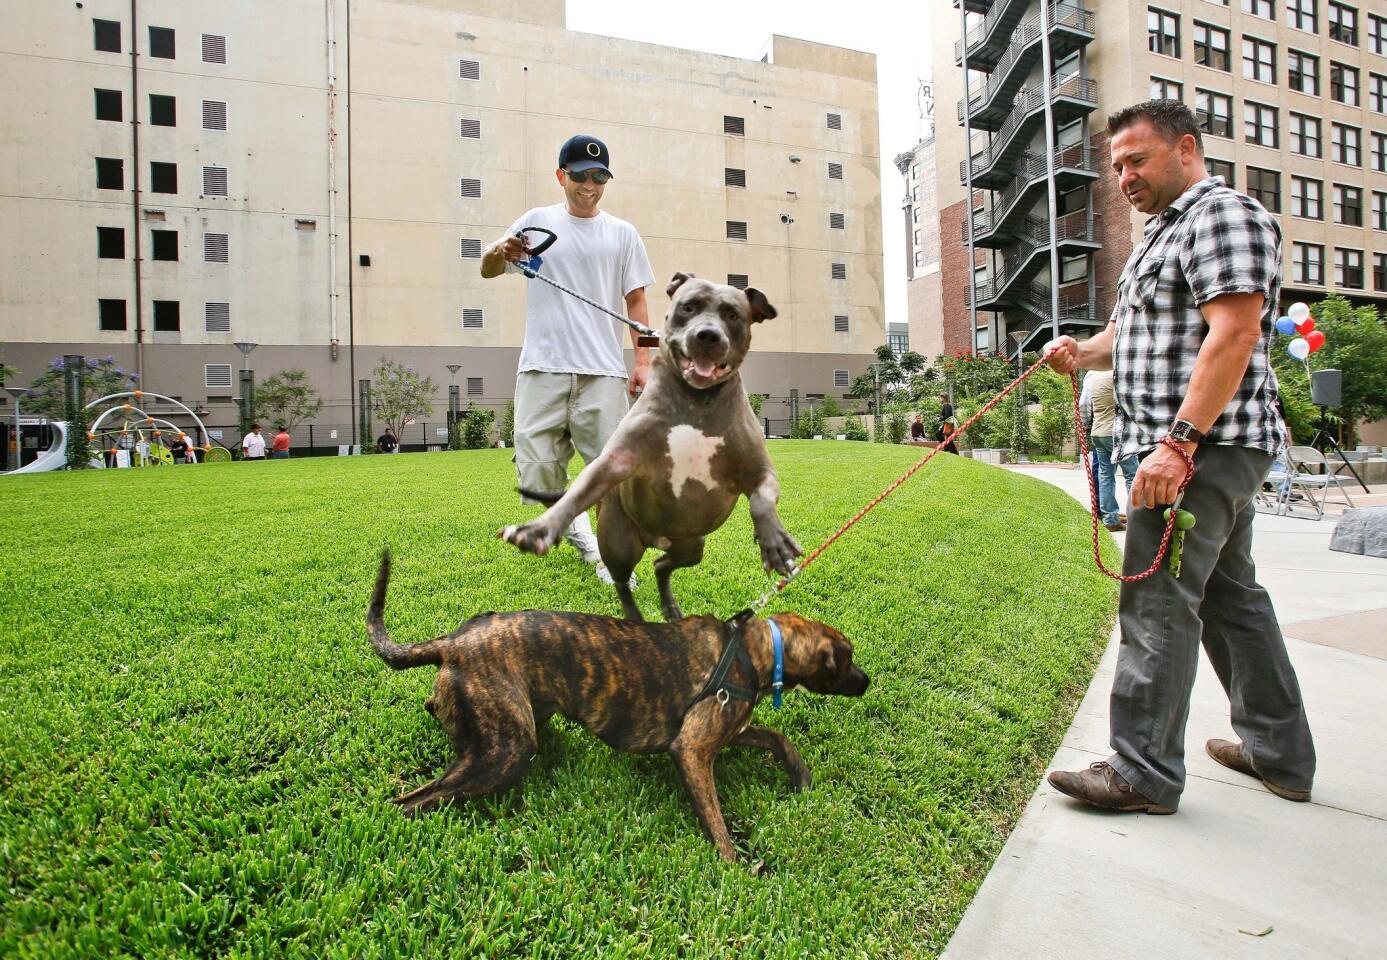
(599, 177)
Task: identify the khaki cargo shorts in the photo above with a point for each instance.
(558, 412)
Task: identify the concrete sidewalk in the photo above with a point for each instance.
(1236, 860)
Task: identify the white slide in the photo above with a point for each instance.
(54, 458)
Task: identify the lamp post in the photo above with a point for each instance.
(247, 384)
(1019, 337)
(454, 402)
(17, 393)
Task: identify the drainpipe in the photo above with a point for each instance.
(968, 182)
(331, 7)
(1050, 167)
(351, 274)
(135, 187)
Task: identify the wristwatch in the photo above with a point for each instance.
(1182, 431)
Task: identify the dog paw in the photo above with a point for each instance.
(529, 538)
(778, 552)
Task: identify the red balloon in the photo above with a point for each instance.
(1315, 339)
(1305, 326)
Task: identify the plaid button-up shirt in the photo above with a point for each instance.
(1211, 241)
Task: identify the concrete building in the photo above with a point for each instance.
(924, 290)
(1292, 97)
(319, 179)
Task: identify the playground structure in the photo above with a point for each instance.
(125, 445)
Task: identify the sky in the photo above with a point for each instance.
(894, 30)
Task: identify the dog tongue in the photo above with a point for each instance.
(705, 368)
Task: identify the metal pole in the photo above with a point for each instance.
(876, 419)
(1050, 147)
(364, 392)
(135, 186)
(968, 181)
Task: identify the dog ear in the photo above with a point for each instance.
(761, 308)
(826, 655)
(676, 282)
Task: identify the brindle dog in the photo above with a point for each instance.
(635, 685)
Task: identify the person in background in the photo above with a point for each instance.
(279, 449)
(387, 442)
(179, 448)
(253, 444)
(917, 428)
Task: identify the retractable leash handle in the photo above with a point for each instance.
(530, 265)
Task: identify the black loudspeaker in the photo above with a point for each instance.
(364, 259)
(1327, 387)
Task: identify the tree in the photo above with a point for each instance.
(757, 401)
(399, 393)
(287, 398)
(1055, 422)
(831, 407)
(507, 430)
(1355, 341)
(99, 378)
(476, 424)
(6, 371)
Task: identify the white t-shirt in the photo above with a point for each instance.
(602, 258)
(254, 445)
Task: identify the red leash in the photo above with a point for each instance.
(1093, 492)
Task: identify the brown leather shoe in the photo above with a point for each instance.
(1116, 527)
(1102, 786)
(1231, 755)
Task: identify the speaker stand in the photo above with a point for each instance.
(1323, 436)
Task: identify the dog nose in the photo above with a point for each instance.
(708, 335)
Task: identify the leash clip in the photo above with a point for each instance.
(723, 696)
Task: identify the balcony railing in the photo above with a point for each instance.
(1029, 170)
(1002, 12)
(1069, 15)
(1076, 227)
(1028, 100)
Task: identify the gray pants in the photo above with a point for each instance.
(1217, 602)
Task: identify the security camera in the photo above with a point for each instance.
(794, 158)
(786, 218)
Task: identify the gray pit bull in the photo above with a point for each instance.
(689, 447)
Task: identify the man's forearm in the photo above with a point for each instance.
(637, 310)
(1218, 370)
(1095, 353)
(493, 260)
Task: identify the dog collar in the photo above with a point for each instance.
(778, 669)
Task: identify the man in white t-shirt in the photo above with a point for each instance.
(572, 388)
(253, 445)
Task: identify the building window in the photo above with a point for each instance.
(216, 247)
(469, 129)
(1265, 9)
(164, 244)
(1348, 205)
(1377, 93)
(1380, 271)
(835, 121)
(736, 229)
(1303, 72)
(1215, 113)
(836, 221)
(1306, 138)
(1163, 89)
(1343, 26)
(474, 386)
(112, 314)
(469, 70)
(1377, 34)
(1162, 32)
(214, 114)
(1346, 144)
(110, 173)
(216, 317)
(214, 182)
(163, 177)
(1379, 210)
(161, 43)
(1303, 15)
(110, 243)
(1260, 125)
(216, 376)
(1264, 186)
(1220, 168)
(1307, 263)
(734, 126)
(470, 248)
(469, 188)
(106, 38)
(1074, 269)
(1211, 46)
(838, 271)
(109, 105)
(841, 379)
(1259, 60)
(1307, 198)
(473, 318)
(166, 316)
(1343, 83)
(835, 171)
(1379, 152)
(733, 177)
(1348, 268)
(739, 280)
(213, 49)
(163, 110)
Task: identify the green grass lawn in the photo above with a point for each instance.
(198, 747)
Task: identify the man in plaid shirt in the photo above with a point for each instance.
(1188, 344)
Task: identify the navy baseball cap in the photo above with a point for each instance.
(582, 152)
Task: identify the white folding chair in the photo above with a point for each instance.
(1303, 459)
(1275, 494)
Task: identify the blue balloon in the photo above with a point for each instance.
(1285, 325)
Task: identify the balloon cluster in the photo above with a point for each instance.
(1299, 322)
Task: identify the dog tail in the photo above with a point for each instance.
(398, 656)
(546, 498)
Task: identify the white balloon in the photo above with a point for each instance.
(1298, 348)
(1298, 312)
